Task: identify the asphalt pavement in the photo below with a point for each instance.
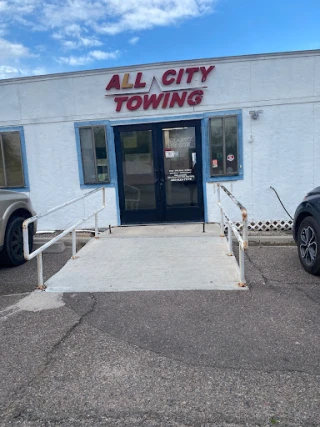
(23, 279)
(169, 358)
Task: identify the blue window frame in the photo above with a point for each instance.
(13, 159)
(96, 164)
(223, 146)
(206, 149)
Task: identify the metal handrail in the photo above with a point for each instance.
(72, 229)
(242, 240)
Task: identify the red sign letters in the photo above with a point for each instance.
(167, 98)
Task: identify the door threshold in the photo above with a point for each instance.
(149, 224)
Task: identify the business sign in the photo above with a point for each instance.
(177, 89)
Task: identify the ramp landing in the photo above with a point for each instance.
(151, 258)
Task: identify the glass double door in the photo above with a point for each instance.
(159, 172)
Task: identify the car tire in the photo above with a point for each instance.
(12, 253)
(309, 245)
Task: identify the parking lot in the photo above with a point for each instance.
(24, 278)
(176, 358)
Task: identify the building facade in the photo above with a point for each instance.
(160, 136)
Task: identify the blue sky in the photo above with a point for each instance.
(41, 37)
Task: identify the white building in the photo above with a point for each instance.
(159, 136)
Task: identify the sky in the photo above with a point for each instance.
(53, 36)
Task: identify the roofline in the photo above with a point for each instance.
(246, 57)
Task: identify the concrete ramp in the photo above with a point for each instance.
(151, 258)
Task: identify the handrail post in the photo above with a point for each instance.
(74, 244)
(230, 240)
(72, 229)
(25, 236)
(221, 213)
(103, 197)
(245, 229)
(243, 240)
(241, 265)
(96, 231)
(221, 223)
(40, 271)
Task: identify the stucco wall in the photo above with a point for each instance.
(54, 177)
(284, 153)
(281, 148)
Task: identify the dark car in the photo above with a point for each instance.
(306, 231)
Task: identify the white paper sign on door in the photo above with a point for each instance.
(169, 154)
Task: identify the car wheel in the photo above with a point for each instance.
(309, 245)
(13, 242)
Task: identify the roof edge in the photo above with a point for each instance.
(246, 57)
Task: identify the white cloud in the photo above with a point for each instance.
(90, 41)
(10, 50)
(39, 71)
(69, 44)
(81, 26)
(134, 40)
(7, 72)
(20, 7)
(98, 54)
(74, 17)
(71, 37)
(72, 30)
(90, 57)
(2, 6)
(74, 61)
(132, 15)
(81, 42)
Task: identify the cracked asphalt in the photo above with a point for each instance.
(187, 358)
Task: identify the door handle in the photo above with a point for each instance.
(156, 173)
(159, 176)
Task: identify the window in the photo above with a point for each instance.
(224, 146)
(94, 155)
(11, 166)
